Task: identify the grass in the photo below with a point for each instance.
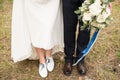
(118, 55)
(102, 61)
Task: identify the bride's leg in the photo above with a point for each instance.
(41, 55)
(42, 66)
(48, 53)
(49, 60)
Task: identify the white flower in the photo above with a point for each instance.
(105, 14)
(95, 8)
(108, 12)
(87, 16)
(95, 13)
(86, 2)
(97, 1)
(82, 9)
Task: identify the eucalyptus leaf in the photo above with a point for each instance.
(80, 17)
(77, 11)
(106, 1)
(82, 28)
(111, 0)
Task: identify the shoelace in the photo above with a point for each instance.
(42, 66)
(48, 60)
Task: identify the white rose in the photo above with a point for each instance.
(97, 1)
(95, 8)
(102, 17)
(87, 16)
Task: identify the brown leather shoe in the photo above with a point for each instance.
(81, 68)
(67, 69)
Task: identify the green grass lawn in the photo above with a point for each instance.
(102, 62)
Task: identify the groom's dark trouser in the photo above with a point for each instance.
(70, 25)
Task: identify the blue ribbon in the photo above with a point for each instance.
(89, 46)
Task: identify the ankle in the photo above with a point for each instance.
(48, 53)
(48, 56)
(42, 61)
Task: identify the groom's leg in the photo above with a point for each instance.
(82, 42)
(70, 23)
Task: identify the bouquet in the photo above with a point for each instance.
(95, 13)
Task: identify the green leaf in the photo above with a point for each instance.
(108, 20)
(111, 0)
(118, 54)
(80, 17)
(106, 1)
(82, 28)
(77, 11)
(92, 1)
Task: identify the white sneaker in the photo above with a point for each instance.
(50, 64)
(43, 70)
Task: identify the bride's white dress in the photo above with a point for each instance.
(35, 23)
